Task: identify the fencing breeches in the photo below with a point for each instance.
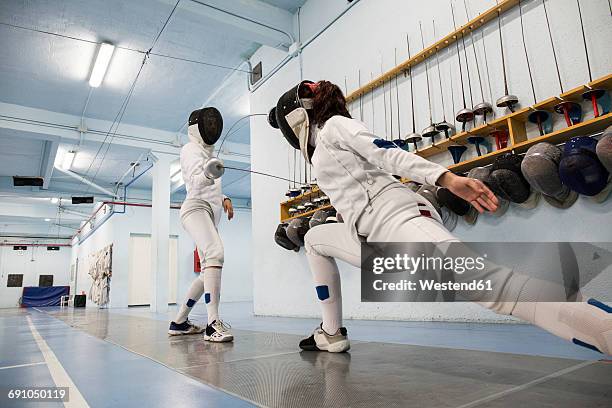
(197, 219)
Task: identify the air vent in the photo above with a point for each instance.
(256, 73)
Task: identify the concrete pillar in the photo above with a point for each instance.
(160, 232)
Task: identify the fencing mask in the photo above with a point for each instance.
(580, 168)
(541, 169)
(604, 149)
(207, 123)
(292, 118)
(296, 230)
(281, 238)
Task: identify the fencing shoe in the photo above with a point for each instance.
(178, 329)
(321, 341)
(218, 332)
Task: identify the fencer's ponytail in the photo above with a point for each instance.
(328, 101)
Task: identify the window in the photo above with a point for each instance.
(45, 280)
(14, 281)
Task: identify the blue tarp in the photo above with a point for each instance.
(45, 296)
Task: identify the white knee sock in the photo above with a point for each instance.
(327, 284)
(193, 295)
(212, 291)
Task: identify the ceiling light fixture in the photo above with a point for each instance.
(54, 200)
(47, 219)
(68, 160)
(101, 65)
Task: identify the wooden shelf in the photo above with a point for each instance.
(603, 82)
(559, 136)
(306, 214)
(304, 196)
(447, 41)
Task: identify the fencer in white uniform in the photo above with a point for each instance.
(354, 168)
(200, 215)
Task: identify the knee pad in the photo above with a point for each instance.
(326, 293)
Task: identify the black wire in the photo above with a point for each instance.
(122, 110)
(164, 26)
(256, 172)
(119, 117)
(209, 64)
(234, 124)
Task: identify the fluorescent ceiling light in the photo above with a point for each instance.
(101, 65)
(54, 200)
(47, 219)
(68, 160)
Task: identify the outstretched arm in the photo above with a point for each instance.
(389, 157)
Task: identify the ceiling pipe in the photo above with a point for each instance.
(132, 167)
(250, 20)
(90, 131)
(73, 212)
(301, 47)
(85, 181)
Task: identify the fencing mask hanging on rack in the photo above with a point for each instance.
(292, 116)
(207, 123)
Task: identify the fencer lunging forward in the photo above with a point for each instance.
(354, 168)
(200, 216)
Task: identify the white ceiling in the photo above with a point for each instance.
(50, 73)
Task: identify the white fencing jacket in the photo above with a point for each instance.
(194, 156)
(352, 167)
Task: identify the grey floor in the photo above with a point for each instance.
(127, 354)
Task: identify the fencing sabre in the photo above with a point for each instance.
(399, 141)
(507, 101)
(571, 111)
(443, 126)
(430, 131)
(465, 115)
(483, 108)
(384, 95)
(593, 94)
(413, 137)
(537, 116)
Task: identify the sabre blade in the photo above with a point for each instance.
(439, 75)
(552, 45)
(426, 75)
(535, 100)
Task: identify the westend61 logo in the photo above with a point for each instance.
(482, 271)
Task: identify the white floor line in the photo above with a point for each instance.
(58, 373)
(527, 385)
(23, 365)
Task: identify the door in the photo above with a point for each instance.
(139, 282)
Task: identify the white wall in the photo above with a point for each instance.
(237, 276)
(32, 263)
(370, 29)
